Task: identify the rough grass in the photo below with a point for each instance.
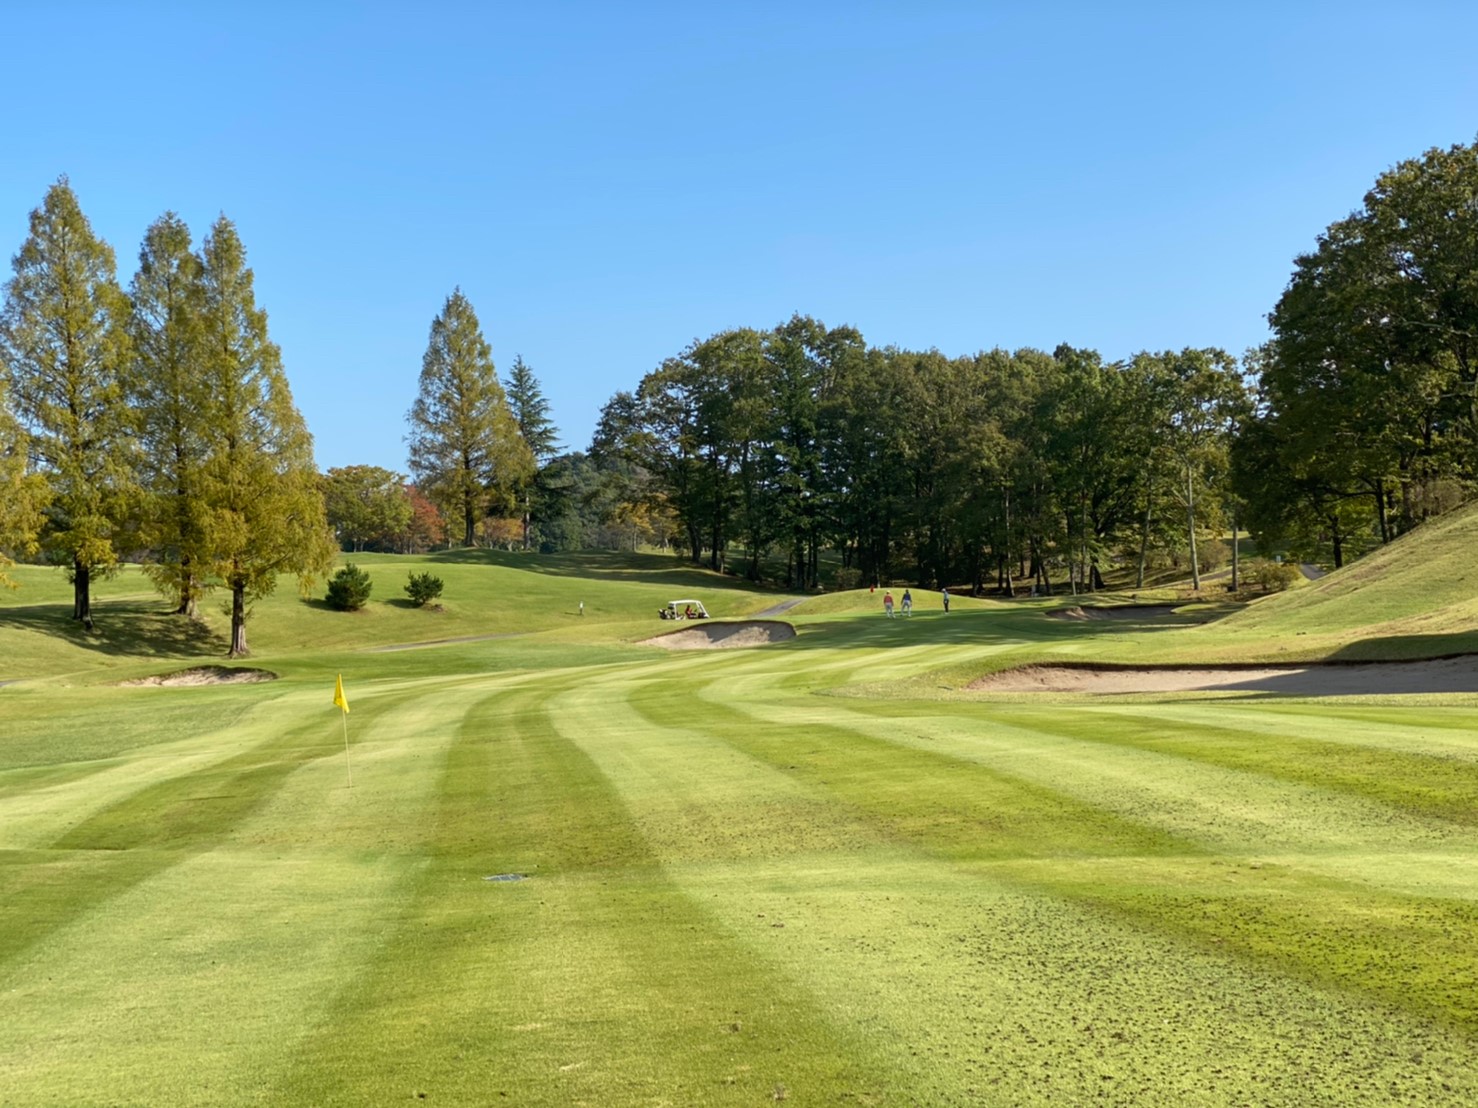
(815, 872)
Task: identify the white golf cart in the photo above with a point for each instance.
(683, 609)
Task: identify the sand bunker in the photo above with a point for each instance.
(1126, 611)
(207, 675)
(707, 635)
(1443, 675)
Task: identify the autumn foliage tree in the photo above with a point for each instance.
(64, 344)
(263, 506)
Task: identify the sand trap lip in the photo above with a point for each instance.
(709, 635)
(1441, 675)
(1126, 611)
(206, 675)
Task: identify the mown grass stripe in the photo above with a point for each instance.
(1418, 784)
(969, 811)
(1418, 954)
(554, 987)
(155, 827)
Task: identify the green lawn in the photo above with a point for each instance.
(817, 872)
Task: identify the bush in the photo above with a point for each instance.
(422, 588)
(350, 589)
(1275, 576)
(1212, 554)
(847, 577)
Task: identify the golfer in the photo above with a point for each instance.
(888, 604)
(944, 595)
(907, 603)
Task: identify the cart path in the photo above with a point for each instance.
(444, 642)
(781, 608)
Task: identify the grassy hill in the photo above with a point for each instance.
(486, 593)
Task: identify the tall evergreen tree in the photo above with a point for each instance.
(168, 392)
(465, 446)
(531, 413)
(264, 509)
(64, 342)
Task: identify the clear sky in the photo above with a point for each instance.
(607, 182)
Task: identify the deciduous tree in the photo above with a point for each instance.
(22, 494)
(168, 392)
(65, 346)
(366, 504)
(264, 506)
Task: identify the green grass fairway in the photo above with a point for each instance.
(818, 872)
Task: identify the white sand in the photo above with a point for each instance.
(1443, 675)
(206, 675)
(707, 635)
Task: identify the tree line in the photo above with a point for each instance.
(1356, 421)
(158, 423)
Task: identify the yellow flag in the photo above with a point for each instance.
(340, 700)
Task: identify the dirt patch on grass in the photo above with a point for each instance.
(1126, 611)
(1442, 675)
(206, 675)
(724, 636)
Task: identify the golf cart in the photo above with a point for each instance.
(683, 609)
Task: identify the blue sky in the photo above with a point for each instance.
(609, 182)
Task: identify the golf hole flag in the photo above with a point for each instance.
(341, 701)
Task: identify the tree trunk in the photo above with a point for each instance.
(1337, 540)
(1144, 539)
(186, 606)
(469, 521)
(82, 594)
(1380, 509)
(1190, 511)
(239, 648)
(1236, 549)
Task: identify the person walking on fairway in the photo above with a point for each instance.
(944, 595)
(888, 604)
(907, 603)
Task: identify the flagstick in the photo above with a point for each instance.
(347, 767)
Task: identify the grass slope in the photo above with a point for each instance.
(814, 872)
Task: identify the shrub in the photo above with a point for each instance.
(422, 588)
(1275, 576)
(349, 589)
(1212, 554)
(847, 577)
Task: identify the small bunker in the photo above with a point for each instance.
(206, 675)
(724, 635)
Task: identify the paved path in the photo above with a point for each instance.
(443, 642)
(779, 609)
(1312, 572)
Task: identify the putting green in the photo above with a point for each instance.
(816, 871)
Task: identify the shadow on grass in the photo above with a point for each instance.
(120, 628)
(1388, 648)
(1025, 627)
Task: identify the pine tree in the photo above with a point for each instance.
(168, 393)
(64, 341)
(465, 447)
(531, 413)
(263, 506)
